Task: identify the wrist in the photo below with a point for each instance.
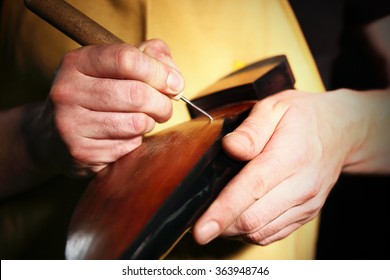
(367, 129)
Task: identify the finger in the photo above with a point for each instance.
(95, 154)
(258, 239)
(273, 204)
(278, 229)
(250, 138)
(123, 61)
(294, 191)
(104, 125)
(108, 95)
(159, 50)
(253, 182)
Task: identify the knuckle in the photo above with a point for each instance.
(131, 60)
(156, 47)
(248, 223)
(166, 110)
(310, 191)
(127, 58)
(136, 96)
(119, 126)
(255, 238)
(266, 235)
(265, 241)
(311, 211)
(126, 147)
(259, 187)
(313, 208)
(112, 125)
(141, 123)
(60, 92)
(69, 58)
(158, 76)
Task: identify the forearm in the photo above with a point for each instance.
(371, 154)
(18, 170)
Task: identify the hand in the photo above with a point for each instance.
(296, 144)
(102, 101)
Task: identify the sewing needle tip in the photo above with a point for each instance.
(196, 107)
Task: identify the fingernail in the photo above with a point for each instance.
(178, 96)
(175, 82)
(208, 232)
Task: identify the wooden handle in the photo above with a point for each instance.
(72, 22)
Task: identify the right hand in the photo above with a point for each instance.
(102, 101)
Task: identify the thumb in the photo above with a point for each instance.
(250, 138)
(160, 51)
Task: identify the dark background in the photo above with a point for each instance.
(355, 218)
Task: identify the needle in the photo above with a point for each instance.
(196, 107)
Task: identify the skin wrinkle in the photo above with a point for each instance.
(140, 123)
(280, 231)
(278, 235)
(308, 212)
(135, 96)
(244, 221)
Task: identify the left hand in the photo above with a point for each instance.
(296, 144)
